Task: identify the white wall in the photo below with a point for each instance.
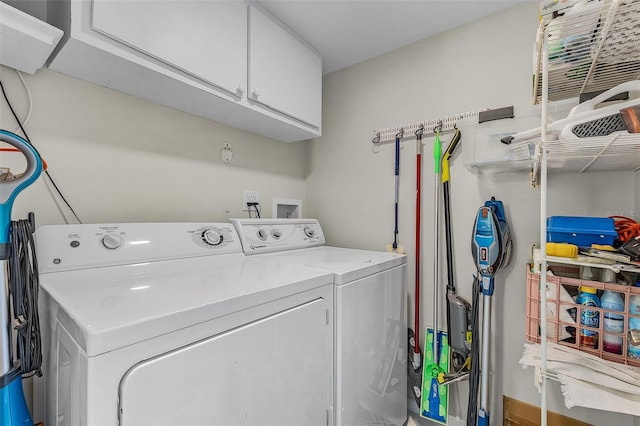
(117, 158)
(350, 186)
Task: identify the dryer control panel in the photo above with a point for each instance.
(70, 247)
(274, 235)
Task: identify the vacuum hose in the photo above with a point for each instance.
(23, 287)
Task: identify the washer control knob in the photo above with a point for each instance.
(276, 233)
(111, 241)
(212, 237)
(309, 231)
(262, 234)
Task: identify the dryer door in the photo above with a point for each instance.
(266, 372)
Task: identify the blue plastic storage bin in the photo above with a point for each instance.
(581, 231)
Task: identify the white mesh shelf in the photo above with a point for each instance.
(592, 47)
(616, 152)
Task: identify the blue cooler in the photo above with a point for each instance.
(581, 231)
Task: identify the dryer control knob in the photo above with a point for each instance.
(262, 234)
(111, 241)
(276, 233)
(309, 231)
(212, 237)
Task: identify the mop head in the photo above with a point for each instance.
(414, 379)
(435, 396)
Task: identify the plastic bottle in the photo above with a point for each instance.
(591, 318)
(587, 273)
(608, 276)
(634, 324)
(612, 322)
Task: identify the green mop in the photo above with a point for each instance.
(435, 397)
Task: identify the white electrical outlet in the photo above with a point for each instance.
(249, 197)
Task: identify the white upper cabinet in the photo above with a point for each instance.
(206, 39)
(284, 73)
(192, 55)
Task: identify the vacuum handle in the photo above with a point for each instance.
(453, 144)
(448, 154)
(10, 189)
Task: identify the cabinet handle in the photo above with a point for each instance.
(241, 90)
(255, 93)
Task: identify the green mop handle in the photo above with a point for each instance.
(437, 152)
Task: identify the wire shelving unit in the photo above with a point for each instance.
(589, 47)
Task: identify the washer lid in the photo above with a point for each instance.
(346, 264)
(112, 307)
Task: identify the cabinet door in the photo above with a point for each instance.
(284, 74)
(206, 39)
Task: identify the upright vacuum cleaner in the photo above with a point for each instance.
(458, 309)
(13, 405)
(491, 249)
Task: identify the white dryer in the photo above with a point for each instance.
(170, 324)
(370, 383)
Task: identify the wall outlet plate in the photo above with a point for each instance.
(249, 197)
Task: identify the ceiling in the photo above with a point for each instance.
(347, 32)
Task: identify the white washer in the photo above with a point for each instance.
(170, 324)
(370, 323)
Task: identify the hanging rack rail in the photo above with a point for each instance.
(427, 127)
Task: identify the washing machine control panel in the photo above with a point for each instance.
(212, 237)
(111, 241)
(273, 235)
(69, 247)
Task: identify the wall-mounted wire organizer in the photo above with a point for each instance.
(584, 49)
(593, 46)
(445, 124)
(563, 314)
(590, 47)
